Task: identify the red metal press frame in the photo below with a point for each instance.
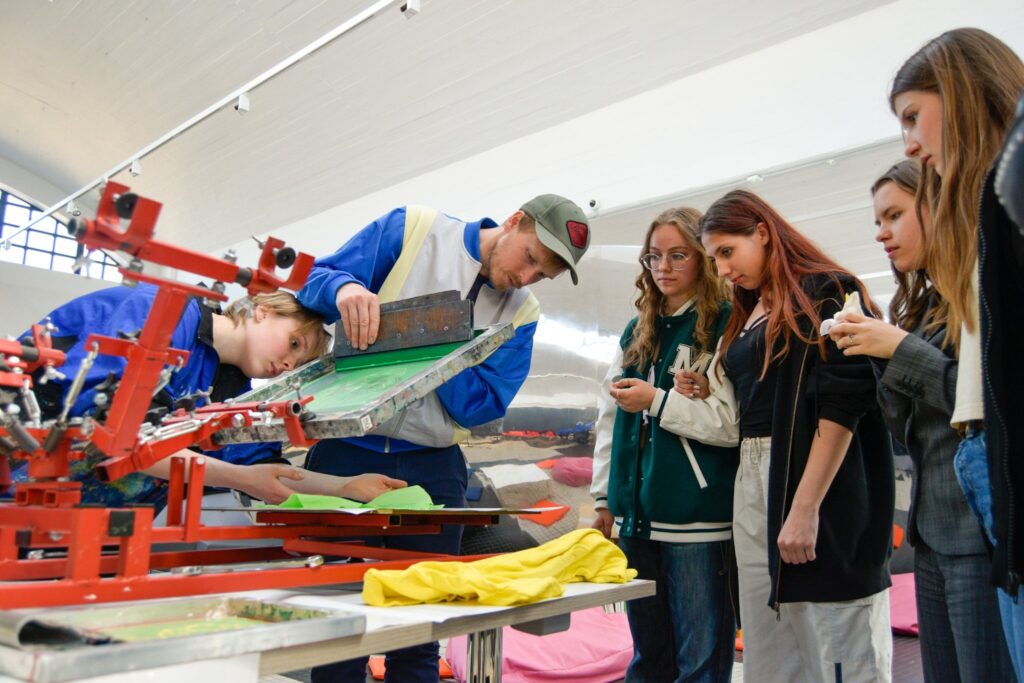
(109, 551)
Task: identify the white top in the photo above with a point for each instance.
(970, 404)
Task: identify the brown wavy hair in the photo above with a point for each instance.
(790, 258)
(978, 78)
(913, 301)
(711, 290)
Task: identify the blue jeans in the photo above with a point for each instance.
(442, 472)
(687, 632)
(971, 466)
(1012, 612)
(971, 463)
(961, 634)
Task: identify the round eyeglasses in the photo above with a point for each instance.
(676, 260)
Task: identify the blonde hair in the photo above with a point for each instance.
(711, 290)
(285, 305)
(978, 78)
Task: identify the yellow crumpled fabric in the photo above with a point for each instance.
(512, 579)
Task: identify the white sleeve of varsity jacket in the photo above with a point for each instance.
(603, 429)
(714, 420)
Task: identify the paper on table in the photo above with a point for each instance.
(382, 617)
(409, 498)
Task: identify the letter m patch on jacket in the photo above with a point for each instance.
(687, 358)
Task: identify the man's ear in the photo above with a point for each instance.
(512, 222)
(259, 313)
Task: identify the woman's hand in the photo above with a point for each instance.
(264, 482)
(366, 487)
(632, 395)
(859, 335)
(692, 384)
(604, 522)
(799, 535)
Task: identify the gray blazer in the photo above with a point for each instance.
(917, 390)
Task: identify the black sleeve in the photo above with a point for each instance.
(1010, 171)
(841, 387)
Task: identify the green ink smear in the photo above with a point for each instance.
(179, 628)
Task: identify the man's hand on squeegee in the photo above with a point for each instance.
(360, 314)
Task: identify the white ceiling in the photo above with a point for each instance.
(826, 198)
(86, 84)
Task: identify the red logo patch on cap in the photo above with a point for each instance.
(577, 233)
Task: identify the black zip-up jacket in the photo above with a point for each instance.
(1001, 303)
(855, 518)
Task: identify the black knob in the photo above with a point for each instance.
(77, 227)
(126, 204)
(284, 257)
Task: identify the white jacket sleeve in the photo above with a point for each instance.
(603, 430)
(714, 420)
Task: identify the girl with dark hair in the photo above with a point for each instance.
(814, 497)
(670, 498)
(957, 610)
(955, 100)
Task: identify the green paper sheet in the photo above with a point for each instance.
(409, 498)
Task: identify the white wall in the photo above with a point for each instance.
(29, 186)
(27, 294)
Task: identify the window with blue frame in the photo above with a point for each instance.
(47, 243)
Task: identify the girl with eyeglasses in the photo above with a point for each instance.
(670, 497)
(957, 611)
(955, 99)
(814, 495)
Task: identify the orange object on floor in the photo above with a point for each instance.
(546, 518)
(377, 668)
(547, 464)
(739, 640)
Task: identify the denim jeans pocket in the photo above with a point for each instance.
(971, 466)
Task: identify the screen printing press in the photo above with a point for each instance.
(57, 552)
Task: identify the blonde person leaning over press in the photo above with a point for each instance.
(814, 497)
(254, 338)
(955, 100)
(957, 609)
(670, 497)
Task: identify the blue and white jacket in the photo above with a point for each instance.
(416, 250)
(124, 310)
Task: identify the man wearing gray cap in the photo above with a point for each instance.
(415, 250)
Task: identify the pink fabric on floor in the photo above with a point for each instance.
(596, 648)
(903, 605)
(573, 471)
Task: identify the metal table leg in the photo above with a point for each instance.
(483, 656)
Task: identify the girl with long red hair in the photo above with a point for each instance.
(814, 495)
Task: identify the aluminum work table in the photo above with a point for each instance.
(386, 628)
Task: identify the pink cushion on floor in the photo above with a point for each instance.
(596, 648)
(573, 471)
(903, 605)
